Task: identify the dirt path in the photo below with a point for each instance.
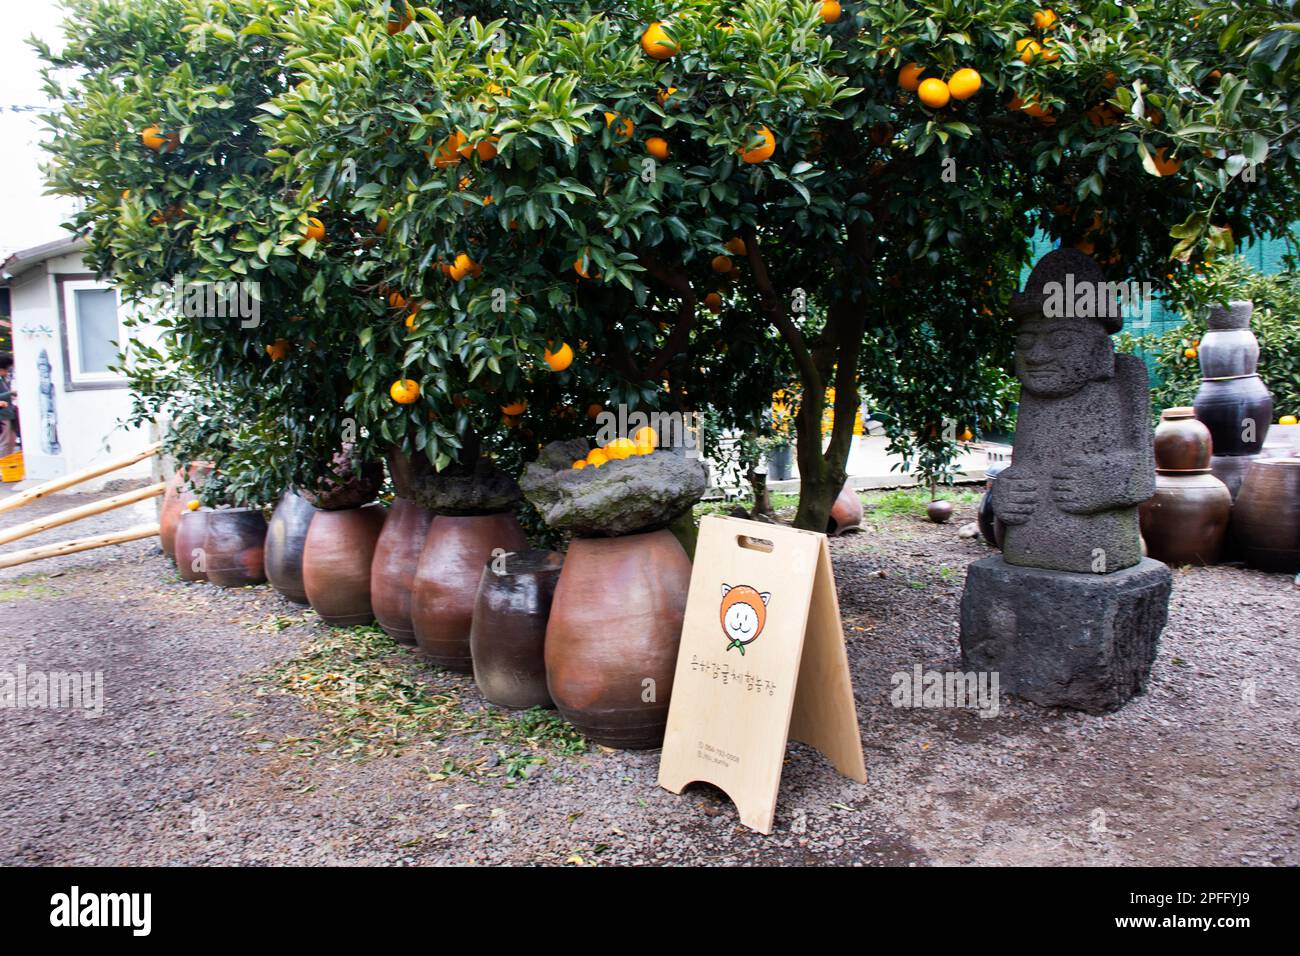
(196, 760)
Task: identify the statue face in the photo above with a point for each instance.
(1057, 357)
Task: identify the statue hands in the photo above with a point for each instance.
(1014, 498)
(1081, 486)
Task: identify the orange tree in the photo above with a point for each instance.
(675, 189)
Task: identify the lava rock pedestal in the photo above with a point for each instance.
(1085, 641)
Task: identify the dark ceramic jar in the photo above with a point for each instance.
(1232, 401)
(286, 536)
(191, 530)
(1266, 519)
(446, 581)
(336, 563)
(235, 545)
(507, 637)
(1186, 520)
(616, 622)
(1182, 442)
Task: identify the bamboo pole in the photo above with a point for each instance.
(79, 544)
(37, 525)
(76, 478)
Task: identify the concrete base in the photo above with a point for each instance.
(1064, 639)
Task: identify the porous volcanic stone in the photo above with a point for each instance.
(1061, 639)
(351, 484)
(621, 497)
(457, 490)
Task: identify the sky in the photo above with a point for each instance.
(27, 216)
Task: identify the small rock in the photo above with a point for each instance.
(970, 529)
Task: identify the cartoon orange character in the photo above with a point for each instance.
(744, 612)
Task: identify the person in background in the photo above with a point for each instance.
(8, 410)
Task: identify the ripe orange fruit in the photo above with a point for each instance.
(1165, 165)
(909, 77)
(155, 139)
(830, 11)
(645, 435)
(656, 42)
(657, 147)
(581, 266)
(756, 154)
(381, 227)
(663, 95)
(192, 505)
(315, 229)
(933, 93)
(965, 83)
(398, 21)
(449, 152)
(966, 435)
(580, 464)
(1287, 420)
(410, 320)
(620, 448)
(404, 391)
(1189, 353)
(594, 410)
(721, 264)
(625, 127)
(1110, 80)
(1045, 19)
(487, 148)
(1028, 48)
(396, 300)
(515, 408)
(462, 267)
(560, 359)
(277, 350)
(713, 302)
(597, 457)
(736, 246)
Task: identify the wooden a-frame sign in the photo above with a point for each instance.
(762, 660)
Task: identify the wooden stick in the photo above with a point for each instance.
(38, 525)
(79, 544)
(76, 478)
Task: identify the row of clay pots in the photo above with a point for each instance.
(225, 547)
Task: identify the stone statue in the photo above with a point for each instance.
(1070, 613)
(50, 443)
(1083, 458)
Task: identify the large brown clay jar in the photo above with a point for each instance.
(286, 537)
(235, 545)
(447, 579)
(1266, 519)
(846, 512)
(507, 638)
(392, 573)
(176, 498)
(1186, 520)
(336, 563)
(611, 642)
(191, 559)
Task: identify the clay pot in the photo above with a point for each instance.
(392, 573)
(1266, 519)
(286, 536)
(447, 578)
(846, 513)
(1231, 393)
(191, 558)
(176, 498)
(1182, 442)
(1186, 520)
(507, 638)
(336, 563)
(235, 545)
(1231, 470)
(939, 510)
(616, 621)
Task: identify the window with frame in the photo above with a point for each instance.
(92, 327)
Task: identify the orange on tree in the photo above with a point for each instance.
(381, 227)
(657, 147)
(1189, 353)
(396, 300)
(713, 302)
(664, 94)
(410, 320)
(656, 42)
(516, 408)
(399, 17)
(277, 349)
(933, 93)
(404, 391)
(964, 84)
(760, 147)
(830, 11)
(1165, 164)
(1027, 48)
(909, 77)
(582, 266)
(594, 410)
(462, 267)
(560, 359)
(449, 152)
(625, 126)
(735, 245)
(154, 138)
(721, 264)
(315, 230)
(1045, 19)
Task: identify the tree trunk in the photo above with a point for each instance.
(762, 500)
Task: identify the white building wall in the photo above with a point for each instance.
(87, 420)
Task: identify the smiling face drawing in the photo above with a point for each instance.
(744, 612)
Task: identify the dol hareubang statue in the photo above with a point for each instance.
(1083, 458)
(1070, 613)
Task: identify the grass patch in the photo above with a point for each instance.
(28, 587)
(911, 501)
(372, 703)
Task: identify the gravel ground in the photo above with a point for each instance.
(194, 760)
